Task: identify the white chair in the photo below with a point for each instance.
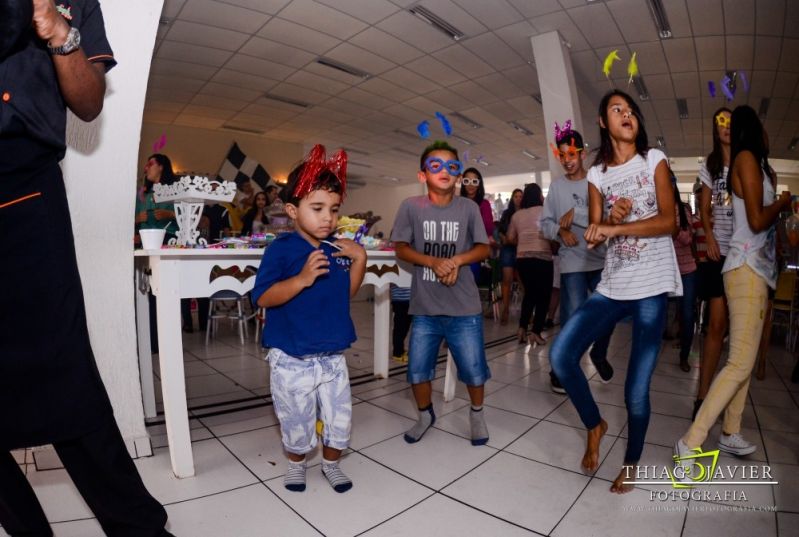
(217, 309)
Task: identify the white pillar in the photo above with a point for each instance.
(558, 89)
(100, 176)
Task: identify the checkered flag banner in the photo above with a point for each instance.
(240, 168)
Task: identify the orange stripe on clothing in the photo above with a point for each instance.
(101, 57)
(19, 200)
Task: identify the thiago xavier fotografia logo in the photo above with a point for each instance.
(697, 469)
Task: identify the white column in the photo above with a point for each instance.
(558, 89)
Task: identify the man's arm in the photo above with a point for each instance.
(82, 83)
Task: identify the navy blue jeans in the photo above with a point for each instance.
(594, 318)
(575, 288)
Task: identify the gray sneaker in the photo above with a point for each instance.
(736, 444)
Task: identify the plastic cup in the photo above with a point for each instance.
(152, 239)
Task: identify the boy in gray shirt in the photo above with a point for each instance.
(442, 234)
(565, 220)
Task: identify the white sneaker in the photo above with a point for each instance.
(736, 444)
(681, 450)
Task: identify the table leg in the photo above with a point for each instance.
(382, 330)
(143, 337)
(173, 383)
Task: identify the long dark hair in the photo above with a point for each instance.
(507, 214)
(481, 189)
(746, 134)
(715, 160)
(249, 217)
(167, 175)
(604, 155)
(678, 202)
(532, 196)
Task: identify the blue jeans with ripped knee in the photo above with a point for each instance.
(593, 319)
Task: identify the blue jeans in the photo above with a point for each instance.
(687, 305)
(464, 336)
(594, 318)
(575, 288)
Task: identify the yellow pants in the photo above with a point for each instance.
(747, 294)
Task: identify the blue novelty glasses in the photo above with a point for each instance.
(435, 165)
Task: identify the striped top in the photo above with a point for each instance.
(721, 205)
(699, 239)
(636, 267)
(400, 294)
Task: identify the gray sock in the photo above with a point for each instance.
(479, 429)
(294, 479)
(337, 479)
(426, 420)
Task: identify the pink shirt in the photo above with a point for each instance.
(488, 217)
(682, 243)
(525, 229)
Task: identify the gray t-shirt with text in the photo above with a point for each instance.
(441, 232)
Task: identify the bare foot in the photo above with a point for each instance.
(591, 457)
(627, 474)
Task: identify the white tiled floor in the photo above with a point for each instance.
(526, 481)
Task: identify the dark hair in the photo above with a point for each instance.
(746, 134)
(715, 160)
(167, 175)
(678, 202)
(507, 214)
(270, 188)
(481, 189)
(568, 136)
(438, 145)
(532, 196)
(326, 180)
(249, 216)
(604, 155)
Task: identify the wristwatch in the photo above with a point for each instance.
(70, 45)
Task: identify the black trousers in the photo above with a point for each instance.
(202, 312)
(536, 276)
(402, 324)
(106, 477)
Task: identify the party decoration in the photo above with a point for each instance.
(466, 156)
(567, 128)
(728, 87)
(711, 88)
(632, 68)
(315, 163)
(159, 144)
(722, 120)
(609, 59)
(445, 125)
(423, 129)
(744, 81)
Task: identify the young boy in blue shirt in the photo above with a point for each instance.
(442, 234)
(305, 281)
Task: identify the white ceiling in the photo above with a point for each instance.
(216, 59)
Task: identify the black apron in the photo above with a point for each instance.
(50, 389)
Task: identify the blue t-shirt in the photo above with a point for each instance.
(317, 320)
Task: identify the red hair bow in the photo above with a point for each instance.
(317, 162)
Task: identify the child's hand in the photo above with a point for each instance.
(350, 248)
(567, 237)
(443, 266)
(450, 279)
(567, 219)
(620, 210)
(597, 234)
(315, 266)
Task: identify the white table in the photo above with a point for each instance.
(186, 273)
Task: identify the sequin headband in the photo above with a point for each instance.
(317, 162)
(567, 128)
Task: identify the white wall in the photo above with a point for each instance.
(100, 172)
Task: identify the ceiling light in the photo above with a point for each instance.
(286, 100)
(763, 110)
(482, 161)
(792, 145)
(352, 151)
(436, 22)
(164, 21)
(661, 141)
(406, 135)
(529, 154)
(242, 129)
(404, 151)
(390, 178)
(462, 140)
(661, 20)
(520, 128)
(361, 164)
(682, 108)
(472, 123)
(343, 67)
(640, 87)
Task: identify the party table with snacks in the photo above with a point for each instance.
(175, 273)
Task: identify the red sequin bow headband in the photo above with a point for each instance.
(317, 162)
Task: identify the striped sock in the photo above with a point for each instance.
(426, 420)
(294, 479)
(334, 475)
(479, 429)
